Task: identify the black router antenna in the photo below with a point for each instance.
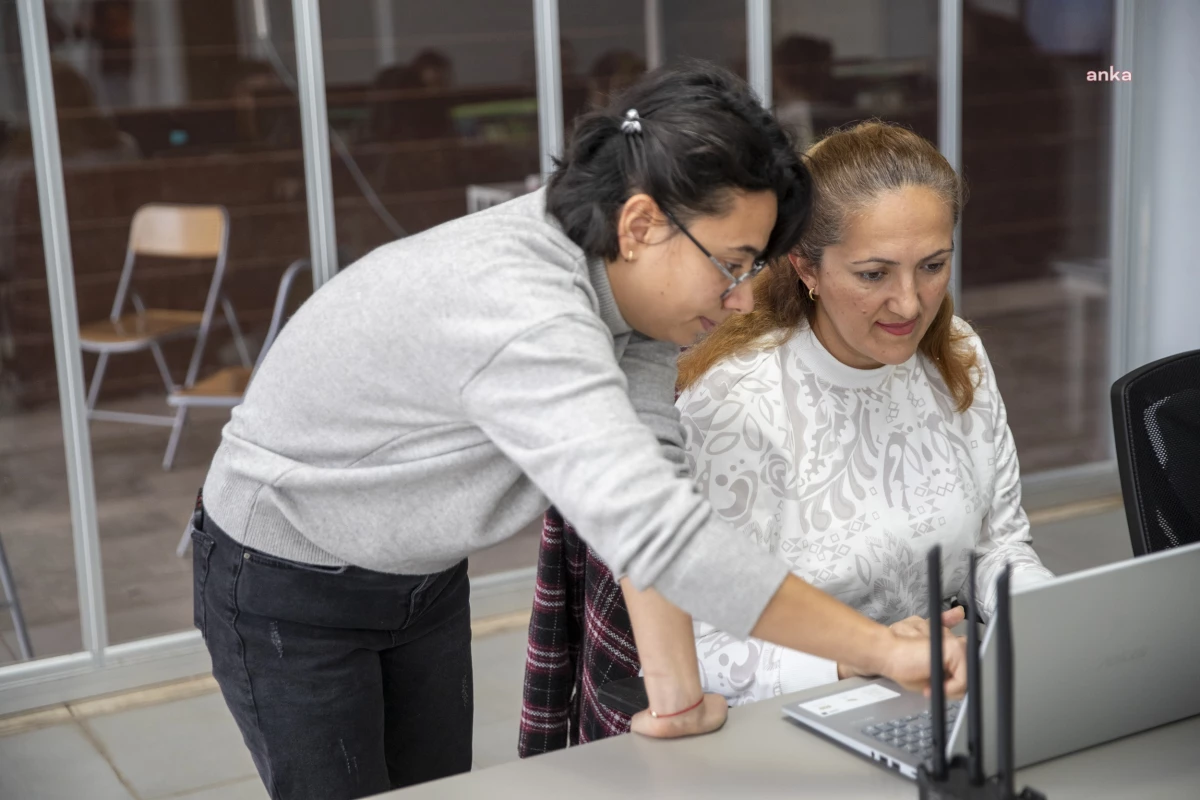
(974, 685)
(1004, 686)
(937, 678)
(962, 778)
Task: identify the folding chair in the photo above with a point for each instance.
(171, 231)
(9, 587)
(226, 387)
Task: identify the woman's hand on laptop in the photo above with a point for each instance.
(919, 626)
(909, 663)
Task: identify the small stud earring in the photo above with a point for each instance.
(629, 257)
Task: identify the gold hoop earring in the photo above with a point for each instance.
(812, 294)
(629, 257)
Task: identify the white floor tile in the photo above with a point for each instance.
(242, 790)
(56, 763)
(499, 662)
(494, 703)
(500, 658)
(175, 747)
(496, 743)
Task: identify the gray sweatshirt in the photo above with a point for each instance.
(438, 394)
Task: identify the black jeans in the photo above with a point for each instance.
(345, 682)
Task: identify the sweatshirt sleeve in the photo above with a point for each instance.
(555, 401)
(1004, 536)
(749, 670)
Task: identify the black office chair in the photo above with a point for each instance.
(1156, 417)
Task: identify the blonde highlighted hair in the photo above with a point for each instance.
(850, 169)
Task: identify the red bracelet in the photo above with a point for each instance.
(692, 707)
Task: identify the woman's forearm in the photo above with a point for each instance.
(804, 618)
(800, 617)
(666, 648)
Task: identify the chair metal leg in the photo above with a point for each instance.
(176, 432)
(14, 606)
(185, 540)
(163, 370)
(97, 379)
(239, 341)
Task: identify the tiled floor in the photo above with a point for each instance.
(191, 749)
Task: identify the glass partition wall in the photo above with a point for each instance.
(35, 505)
(323, 130)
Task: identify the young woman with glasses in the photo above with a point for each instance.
(437, 395)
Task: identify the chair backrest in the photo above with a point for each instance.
(1156, 417)
(179, 231)
(176, 231)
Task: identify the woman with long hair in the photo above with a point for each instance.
(851, 421)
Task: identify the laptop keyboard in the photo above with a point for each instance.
(913, 734)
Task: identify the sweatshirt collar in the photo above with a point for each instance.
(598, 275)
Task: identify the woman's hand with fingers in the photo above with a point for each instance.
(917, 628)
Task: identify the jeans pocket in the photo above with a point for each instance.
(436, 590)
(202, 547)
(416, 600)
(265, 560)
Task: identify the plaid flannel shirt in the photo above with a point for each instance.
(580, 638)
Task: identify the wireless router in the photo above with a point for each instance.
(963, 778)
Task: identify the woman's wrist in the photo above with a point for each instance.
(669, 693)
(884, 652)
(881, 642)
(681, 712)
(667, 649)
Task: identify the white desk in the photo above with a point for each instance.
(759, 755)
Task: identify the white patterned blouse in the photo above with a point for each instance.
(851, 475)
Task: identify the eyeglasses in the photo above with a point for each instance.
(726, 269)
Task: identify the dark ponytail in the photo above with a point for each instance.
(702, 134)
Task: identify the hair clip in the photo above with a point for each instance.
(632, 123)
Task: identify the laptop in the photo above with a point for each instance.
(1098, 654)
